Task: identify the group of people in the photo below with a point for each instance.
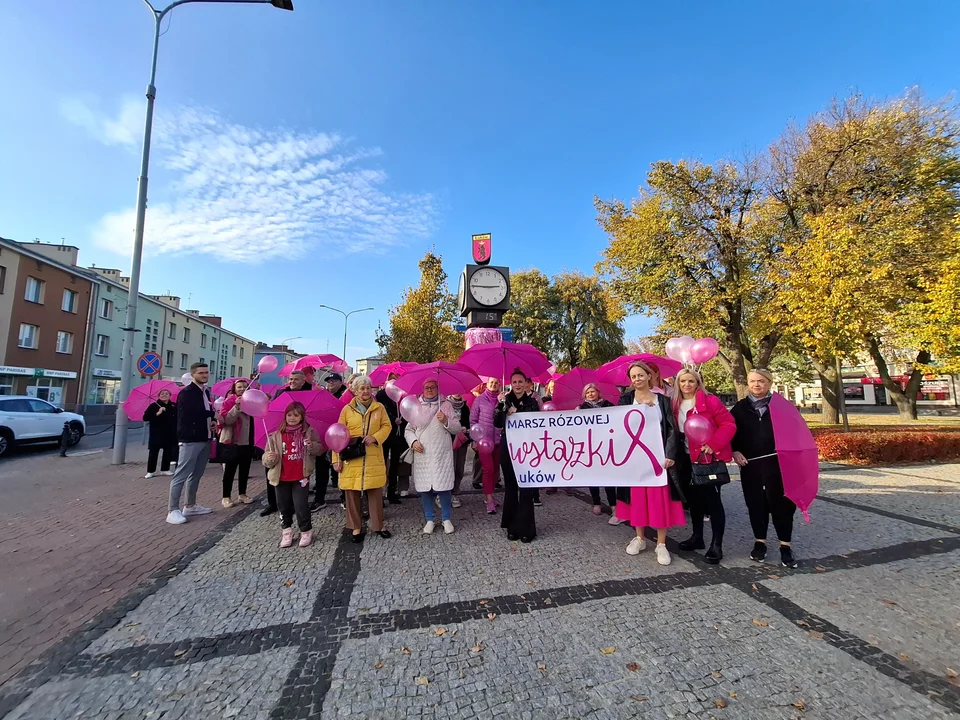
(384, 449)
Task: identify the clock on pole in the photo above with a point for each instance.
(484, 293)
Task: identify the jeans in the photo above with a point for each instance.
(193, 461)
(292, 497)
(446, 511)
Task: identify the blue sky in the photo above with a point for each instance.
(312, 157)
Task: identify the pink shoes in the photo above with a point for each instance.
(286, 539)
(491, 508)
(306, 538)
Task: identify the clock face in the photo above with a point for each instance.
(488, 287)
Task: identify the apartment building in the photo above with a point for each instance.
(283, 355)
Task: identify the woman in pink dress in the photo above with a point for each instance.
(657, 507)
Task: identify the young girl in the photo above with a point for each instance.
(289, 459)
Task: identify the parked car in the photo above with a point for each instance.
(25, 420)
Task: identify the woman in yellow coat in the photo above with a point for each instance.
(369, 427)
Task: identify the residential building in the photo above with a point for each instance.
(282, 353)
(365, 366)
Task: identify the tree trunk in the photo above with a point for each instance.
(905, 398)
(827, 372)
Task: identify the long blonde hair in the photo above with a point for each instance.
(676, 397)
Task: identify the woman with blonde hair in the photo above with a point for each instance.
(657, 507)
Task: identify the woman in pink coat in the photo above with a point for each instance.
(691, 398)
(482, 414)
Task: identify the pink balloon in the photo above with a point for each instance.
(393, 392)
(268, 363)
(485, 446)
(698, 429)
(337, 437)
(678, 348)
(550, 407)
(704, 350)
(254, 403)
(410, 410)
(477, 432)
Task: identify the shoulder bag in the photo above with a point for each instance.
(709, 473)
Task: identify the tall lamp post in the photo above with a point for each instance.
(346, 318)
(130, 319)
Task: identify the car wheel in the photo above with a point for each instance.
(6, 442)
(76, 432)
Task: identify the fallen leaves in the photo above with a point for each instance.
(952, 674)
(904, 656)
(405, 650)
(288, 583)
(130, 625)
(422, 680)
(478, 648)
(484, 602)
(815, 634)
(180, 653)
(440, 632)
(733, 695)
(639, 698)
(716, 675)
(541, 667)
(608, 650)
(720, 703)
(800, 705)
(548, 601)
(760, 623)
(820, 569)
(773, 577)
(889, 602)
(378, 665)
(633, 667)
(491, 616)
(136, 675)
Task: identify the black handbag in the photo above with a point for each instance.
(356, 449)
(711, 473)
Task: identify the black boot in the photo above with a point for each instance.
(695, 542)
(714, 555)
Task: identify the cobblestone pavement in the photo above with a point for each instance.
(473, 626)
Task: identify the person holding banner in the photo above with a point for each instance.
(657, 507)
(755, 451)
(518, 510)
(690, 398)
(593, 399)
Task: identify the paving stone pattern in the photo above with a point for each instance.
(473, 626)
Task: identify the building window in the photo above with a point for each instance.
(34, 291)
(106, 309)
(149, 322)
(69, 301)
(183, 361)
(29, 336)
(241, 352)
(153, 346)
(202, 360)
(240, 371)
(213, 369)
(203, 340)
(172, 331)
(105, 393)
(233, 371)
(3, 278)
(186, 335)
(234, 351)
(213, 344)
(64, 342)
(169, 358)
(103, 345)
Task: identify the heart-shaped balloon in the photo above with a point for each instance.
(410, 410)
(393, 392)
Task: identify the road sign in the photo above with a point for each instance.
(149, 364)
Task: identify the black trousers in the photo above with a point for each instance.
(763, 494)
(611, 495)
(171, 453)
(240, 466)
(292, 498)
(518, 510)
(272, 495)
(392, 450)
(701, 500)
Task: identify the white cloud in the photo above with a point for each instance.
(247, 194)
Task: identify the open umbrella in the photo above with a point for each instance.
(568, 388)
(268, 389)
(315, 361)
(797, 453)
(142, 396)
(615, 371)
(452, 378)
(221, 388)
(498, 359)
(323, 410)
(379, 376)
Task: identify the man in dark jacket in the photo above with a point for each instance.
(195, 415)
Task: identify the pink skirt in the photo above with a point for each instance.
(652, 507)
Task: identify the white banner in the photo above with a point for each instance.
(615, 446)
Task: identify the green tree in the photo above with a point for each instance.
(422, 325)
(693, 251)
(532, 313)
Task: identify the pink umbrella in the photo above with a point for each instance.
(142, 396)
(568, 389)
(615, 371)
(314, 361)
(498, 359)
(797, 453)
(379, 376)
(221, 388)
(323, 410)
(268, 389)
(452, 378)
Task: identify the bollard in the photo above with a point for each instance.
(64, 439)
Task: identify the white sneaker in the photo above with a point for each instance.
(614, 520)
(227, 503)
(404, 493)
(175, 517)
(636, 546)
(197, 510)
(428, 528)
(448, 527)
(148, 476)
(455, 502)
(166, 472)
(663, 555)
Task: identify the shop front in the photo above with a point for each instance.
(50, 385)
(935, 390)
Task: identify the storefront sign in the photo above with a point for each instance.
(11, 370)
(66, 374)
(104, 373)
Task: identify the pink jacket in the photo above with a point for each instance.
(482, 414)
(726, 427)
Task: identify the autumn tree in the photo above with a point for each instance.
(422, 325)
(691, 251)
(532, 313)
(865, 200)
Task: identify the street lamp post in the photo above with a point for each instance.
(130, 319)
(346, 317)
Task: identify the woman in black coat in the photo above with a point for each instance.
(518, 513)
(162, 419)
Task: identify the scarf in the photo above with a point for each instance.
(203, 391)
(431, 400)
(457, 405)
(492, 395)
(593, 403)
(759, 405)
(361, 408)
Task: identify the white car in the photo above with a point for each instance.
(26, 420)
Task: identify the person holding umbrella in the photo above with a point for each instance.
(593, 399)
(518, 503)
(396, 444)
(161, 415)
